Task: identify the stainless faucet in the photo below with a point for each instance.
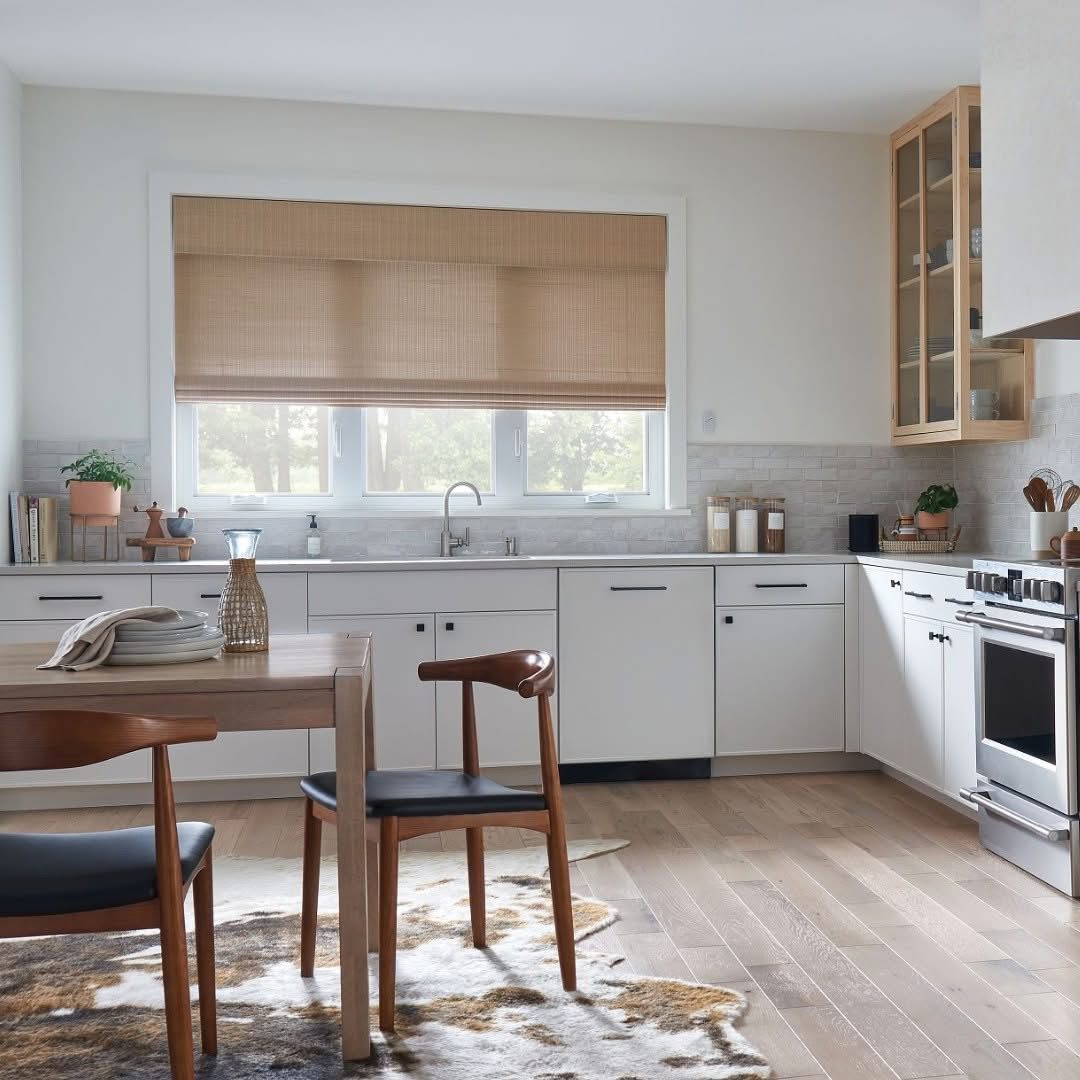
(448, 542)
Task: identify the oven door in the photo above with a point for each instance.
(1025, 675)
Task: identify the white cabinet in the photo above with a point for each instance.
(779, 679)
(404, 706)
(286, 596)
(506, 725)
(881, 654)
(636, 664)
(47, 631)
(923, 723)
(958, 759)
(129, 769)
(240, 754)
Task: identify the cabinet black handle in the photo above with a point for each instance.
(729, 619)
(783, 585)
(919, 595)
(962, 603)
(94, 597)
(638, 588)
(939, 637)
(209, 596)
(420, 627)
(449, 626)
(894, 584)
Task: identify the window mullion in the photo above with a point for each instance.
(509, 445)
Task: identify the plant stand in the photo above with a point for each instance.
(151, 544)
(95, 521)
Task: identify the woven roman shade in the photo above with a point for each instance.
(362, 304)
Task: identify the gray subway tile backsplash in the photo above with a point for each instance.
(822, 485)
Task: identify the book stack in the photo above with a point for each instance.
(34, 531)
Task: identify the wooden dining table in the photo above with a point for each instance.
(303, 681)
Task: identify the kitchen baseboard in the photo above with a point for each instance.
(618, 772)
(950, 801)
(771, 764)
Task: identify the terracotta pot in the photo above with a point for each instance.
(926, 522)
(94, 498)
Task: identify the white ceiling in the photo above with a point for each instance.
(834, 65)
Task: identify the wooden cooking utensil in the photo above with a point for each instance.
(1050, 500)
(1072, 493)
(1034, 499)
(1042, 492)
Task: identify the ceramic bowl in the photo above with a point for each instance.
(179, 527)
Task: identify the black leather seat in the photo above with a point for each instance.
(60, 873)
(421, 793)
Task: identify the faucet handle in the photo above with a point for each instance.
(465, 538)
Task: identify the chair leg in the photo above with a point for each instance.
(309, 903)
(174, 975)
(373, 895)
(474, 843)
(202, 890)
(561, 902)
(388, 889)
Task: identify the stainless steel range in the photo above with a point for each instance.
(1025, 629)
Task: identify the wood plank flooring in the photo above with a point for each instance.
(872, 934)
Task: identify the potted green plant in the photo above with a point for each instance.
(97, 484)
(933, 506)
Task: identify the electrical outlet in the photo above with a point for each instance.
(708, 422)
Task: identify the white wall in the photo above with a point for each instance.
(10, 293)
(787, 250)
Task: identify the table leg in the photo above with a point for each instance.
(351, 702)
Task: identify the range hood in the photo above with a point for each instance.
(1065, 327)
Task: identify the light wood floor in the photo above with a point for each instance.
(872, 934)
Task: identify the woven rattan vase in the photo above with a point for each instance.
(242, 611)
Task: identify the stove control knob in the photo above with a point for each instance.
(999, 584)
(972, 580)
(1031, 589)
(1051, 592)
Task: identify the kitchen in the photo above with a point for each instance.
(832, 723)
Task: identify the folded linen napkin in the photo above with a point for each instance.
(88, 643)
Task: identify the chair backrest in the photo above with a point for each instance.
(528, 672)
(66, 739)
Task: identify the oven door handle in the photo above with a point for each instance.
(982, 798)
(976, 618)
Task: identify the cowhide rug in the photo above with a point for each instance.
(90, 1007)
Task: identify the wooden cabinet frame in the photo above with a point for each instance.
(957, 186)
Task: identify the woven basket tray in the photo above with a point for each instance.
(919, 547)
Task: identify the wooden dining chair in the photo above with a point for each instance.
(403, 803)
(127, 879)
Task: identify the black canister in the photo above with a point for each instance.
(862, 532)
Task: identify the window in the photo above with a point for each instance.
(400, 457)
(351, 354)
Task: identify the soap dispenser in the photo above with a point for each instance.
(314, 539)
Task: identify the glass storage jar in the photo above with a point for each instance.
(718, 524)
(771, 521)
(746, 515)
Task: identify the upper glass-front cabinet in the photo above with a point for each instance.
(949, 383)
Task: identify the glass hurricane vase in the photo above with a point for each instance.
(242, 611)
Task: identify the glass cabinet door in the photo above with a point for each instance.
(907, 188)
(941, 271)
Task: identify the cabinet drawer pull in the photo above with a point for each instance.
(420, 627)
(783, 585)
(209, 596)
(449, 626)
(638, 588)
(919, 595)
(96, 596)
(956, 600)
(894, 584)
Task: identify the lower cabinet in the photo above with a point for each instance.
(47, 631)
(636, 664)
(418, 725)
(404, 706)
(779, 679)
(239, 755)
(923, 722)
(881, 660)
(507, 732)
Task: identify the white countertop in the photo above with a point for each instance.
(956, 564)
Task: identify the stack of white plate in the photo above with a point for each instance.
(166, 641)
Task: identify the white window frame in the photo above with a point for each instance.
(172, 445)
